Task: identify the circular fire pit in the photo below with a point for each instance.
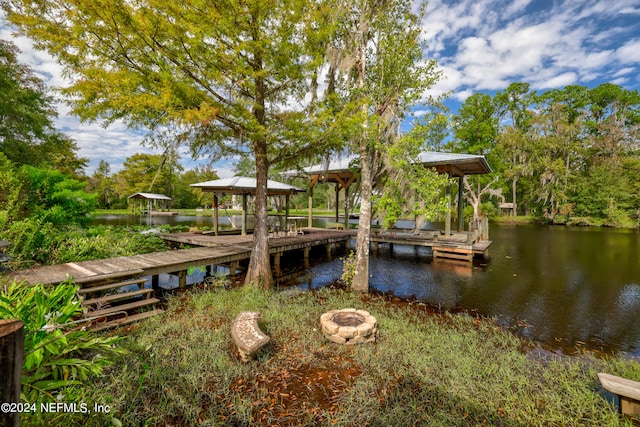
(349, 326)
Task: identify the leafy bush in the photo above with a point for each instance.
(51, 195)
(57, 352)
(348, 268)
(39, 240)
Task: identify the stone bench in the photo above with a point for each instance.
(247, 335)
(628, 393)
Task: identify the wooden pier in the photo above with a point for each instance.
(114, 290)
(456, 246)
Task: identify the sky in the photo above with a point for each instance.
(480, 46)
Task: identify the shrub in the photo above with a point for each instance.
(348, 268)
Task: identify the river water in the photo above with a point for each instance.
(565, 287)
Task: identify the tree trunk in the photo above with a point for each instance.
(259, 272)
(361, 277)
(514, 210)
(11, 355)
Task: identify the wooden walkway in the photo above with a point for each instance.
(106, 285)
(212, 250)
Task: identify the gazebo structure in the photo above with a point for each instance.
(153, 200)
(244, 186)
(343, 172)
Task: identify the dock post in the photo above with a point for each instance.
(233, 266)
(310, 217)
(11, 354)
(328, 249)
(447, 218)
(182, 279)
(460, 204)
(155, 282)
(306, 257)
(276, 264)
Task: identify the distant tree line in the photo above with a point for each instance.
(569, 155)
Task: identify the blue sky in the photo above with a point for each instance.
(480, 45)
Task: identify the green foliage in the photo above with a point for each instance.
(27, 135)
(348, 268)
(58, 353)
(566, 155)
(38, 240)
(50, 195)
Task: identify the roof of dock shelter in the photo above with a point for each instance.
(454, 164)
(246, 185)
(149, 196)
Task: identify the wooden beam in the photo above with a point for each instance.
(628, 393)
(11, 355)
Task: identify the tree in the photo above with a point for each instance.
(378, 68)
(193, 197)
(227, 79)
(476, 125)
(150, 173)
(49, 195)
(101, 183)
(27, 134)
(515, 117)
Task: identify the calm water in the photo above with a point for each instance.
(565, 287)
(562, 286)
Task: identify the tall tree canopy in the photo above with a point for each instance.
(567, 155)
(226, 77)
(377, 66)
(27, 134)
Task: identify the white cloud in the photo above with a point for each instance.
(492, 43)
(629, 53)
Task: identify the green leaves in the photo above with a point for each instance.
(57, 352)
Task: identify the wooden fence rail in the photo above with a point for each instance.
(11, 354)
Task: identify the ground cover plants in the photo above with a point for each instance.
(59, 354)
(181, 369)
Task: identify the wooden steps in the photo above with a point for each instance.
(125, 320)
(108, 286)
(122, 295)
(123, 307)
(453, 251)
(106, 289)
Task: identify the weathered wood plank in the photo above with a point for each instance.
(109, 276)
(116, 297)
(91, 289)
(123, 307)
(126, 320)
(619, 385)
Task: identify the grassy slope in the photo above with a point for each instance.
(425, 369)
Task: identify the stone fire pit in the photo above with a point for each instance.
(349, 326)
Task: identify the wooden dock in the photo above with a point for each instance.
(211, 250)
(457, 246)
(114, 290)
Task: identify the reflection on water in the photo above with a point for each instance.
(562, 286)
(565, 287)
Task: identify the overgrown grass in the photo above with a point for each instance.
(181, 369)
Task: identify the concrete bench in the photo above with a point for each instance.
(247, 335)
(628, 393)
